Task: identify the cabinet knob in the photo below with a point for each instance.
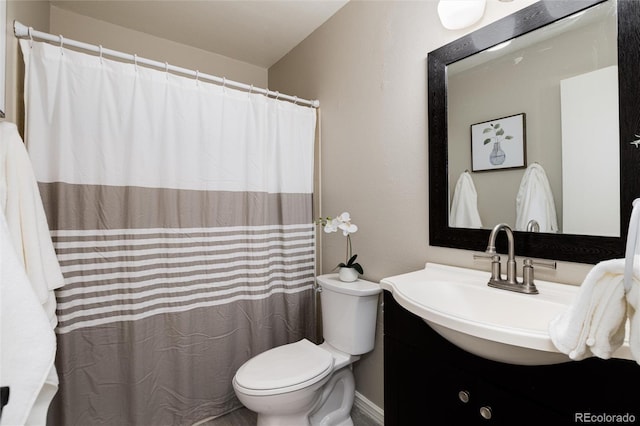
(485, 412)
(463, 396)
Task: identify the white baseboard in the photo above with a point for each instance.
(201, 422)
(361, 402)
(369, 408)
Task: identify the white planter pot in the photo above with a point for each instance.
(348, 274)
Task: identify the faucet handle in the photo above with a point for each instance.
(495, 264)
(487, 256)
(527, 270)
(544, 263)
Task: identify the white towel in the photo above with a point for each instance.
(20, 200)
(27, 341)
(632, 264)
(464, 207)
(28, 235)
(633, 300)
(594, 324)
(534, 201)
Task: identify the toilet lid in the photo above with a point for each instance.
(285, 366)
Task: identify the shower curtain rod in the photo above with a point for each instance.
(22, 31)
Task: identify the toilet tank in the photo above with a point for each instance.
(349, 313)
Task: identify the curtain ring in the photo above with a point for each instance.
(166, 70)
(135, 61)
(61, 44)
(224, 82)
(251, 89)
(197, 76)
(295, 100)
(100, 47)
(277, 95)
(30, 32)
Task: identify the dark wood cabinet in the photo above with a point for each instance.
(429, 381)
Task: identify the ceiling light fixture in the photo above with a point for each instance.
(499, 46)
(459, 14)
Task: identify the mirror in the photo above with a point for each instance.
(483, 63)
(552, 80)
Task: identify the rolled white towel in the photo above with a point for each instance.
(607, 330)
(633, 299)
(594, 323)
(632, 284)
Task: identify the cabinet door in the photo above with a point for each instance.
(461, 397)
(419, 391)
(511, 407)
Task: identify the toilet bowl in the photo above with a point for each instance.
(306, 384)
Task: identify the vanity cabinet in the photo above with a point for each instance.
(429, 381)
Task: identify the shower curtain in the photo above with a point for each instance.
(181, 214)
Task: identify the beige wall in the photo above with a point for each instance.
(367, 66)
(42, 17)
(30, 13)
(78, 27)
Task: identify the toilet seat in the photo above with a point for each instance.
(284, 369)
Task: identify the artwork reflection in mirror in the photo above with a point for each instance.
(564, 78)
(499, 144)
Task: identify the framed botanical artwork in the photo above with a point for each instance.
(499, 144)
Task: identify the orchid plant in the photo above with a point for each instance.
(343, 222)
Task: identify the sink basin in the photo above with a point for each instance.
(492, 323)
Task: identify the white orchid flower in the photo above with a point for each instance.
(331, 226)
(348, 228)
(346, 225)
(344, 217)
(343, 222)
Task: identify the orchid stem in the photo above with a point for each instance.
(348, 248)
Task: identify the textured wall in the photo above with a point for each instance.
(367, 66)
(89, 30)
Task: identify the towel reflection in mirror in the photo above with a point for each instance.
(535, 206)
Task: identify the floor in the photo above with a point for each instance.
(245, 417)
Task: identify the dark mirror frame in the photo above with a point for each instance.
(566, 247)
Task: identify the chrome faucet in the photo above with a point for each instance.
(511, 259)
(533, 226)
(511, 282)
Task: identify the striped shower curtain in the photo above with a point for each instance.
(181, 214)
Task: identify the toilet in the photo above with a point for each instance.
(306, 384)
